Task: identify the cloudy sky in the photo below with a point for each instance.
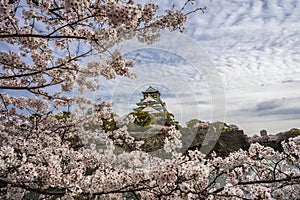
(250, 75)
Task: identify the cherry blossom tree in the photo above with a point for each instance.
(47, 39)
(50, 152)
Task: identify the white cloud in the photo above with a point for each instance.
(275, 107)
(252, 42)
(255, 46)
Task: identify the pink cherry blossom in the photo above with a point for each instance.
(51, 151)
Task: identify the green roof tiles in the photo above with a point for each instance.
(150, 90)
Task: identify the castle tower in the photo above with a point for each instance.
(151, 102)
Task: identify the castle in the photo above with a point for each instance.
(151, 102)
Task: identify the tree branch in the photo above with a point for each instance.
(29, 87)
(269, 181)
(43, 36)
(48, 69)
(62, 191)
(195, 10)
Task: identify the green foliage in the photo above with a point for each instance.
(132, 127)
(297, 131)
(142, 118)
(192, 123)
(109, 124)
(225, 129)
(64, 115)
(171, 121)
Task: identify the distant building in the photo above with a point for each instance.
(151, 102)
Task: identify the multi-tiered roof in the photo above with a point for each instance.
(151, 101)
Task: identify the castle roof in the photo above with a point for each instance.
(148, 99)
(151, 110)
(150, 89)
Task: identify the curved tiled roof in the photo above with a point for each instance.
(151, 110)
(150, 89)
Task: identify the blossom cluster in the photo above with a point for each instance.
(53, 37)
(53, 152)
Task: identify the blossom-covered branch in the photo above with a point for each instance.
(41, 36)
(49, 151)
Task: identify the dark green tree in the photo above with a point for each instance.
(142, 118)
(109, 124)
(170, 121)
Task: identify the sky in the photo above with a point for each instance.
(255, 46)
(251, 49)
(239, 62)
